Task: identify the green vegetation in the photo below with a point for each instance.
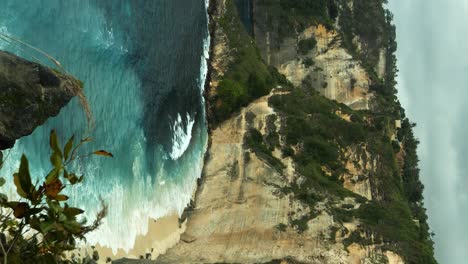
(308, 62)
(373, 25)
(257, 143)
(316, 137)
(294, 16)
(402, 194)
(392, 224)
(41, 226)
(412, 186)
(281, 227)
(301, 223)
(366, 21)
(312, 127)
(306, 45)
(247, 77)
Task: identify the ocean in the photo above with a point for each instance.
(143, 64)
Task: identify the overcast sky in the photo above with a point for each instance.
(433, 62)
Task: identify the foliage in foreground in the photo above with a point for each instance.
(41, 226)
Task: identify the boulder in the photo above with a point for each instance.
(30, 93)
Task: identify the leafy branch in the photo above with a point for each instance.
(42, 214)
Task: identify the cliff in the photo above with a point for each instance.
(29, 94)
(311, 158)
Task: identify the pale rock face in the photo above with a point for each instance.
(335, 74)
(239, 207)
(366, 255)
(393, 258)
(360, 166)
(371, 255)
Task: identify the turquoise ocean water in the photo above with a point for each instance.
(143, 64)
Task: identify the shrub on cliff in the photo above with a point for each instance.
(40, 226)
(306, 45)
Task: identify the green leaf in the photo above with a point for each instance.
(11, 205)
(73, 227)
(62, 217)
(53, 174)
(54, 206)
(34, 222)
(54, 143)
(46, 226)
(34, 211)
(19, 188)
(72, 211)
(61, 197)
(22, 180)
(56, 160)
(2, 181)
(68, 147)
(3, 198)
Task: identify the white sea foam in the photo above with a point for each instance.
(181, 136)
(167, 196)
(134, 201)
(132, 206)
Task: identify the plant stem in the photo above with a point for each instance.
(5, 258)
(18, 233)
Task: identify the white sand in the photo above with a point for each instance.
(163, 234)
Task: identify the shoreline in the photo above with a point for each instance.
(165, 233)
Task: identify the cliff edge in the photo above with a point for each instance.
(30, 93)
(312, 159)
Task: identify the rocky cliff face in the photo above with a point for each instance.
(241, 214)
(335, 73)
(29, 94)
(312, 172)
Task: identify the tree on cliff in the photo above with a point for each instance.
(40, 226)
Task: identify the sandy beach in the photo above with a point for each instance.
(162, 234)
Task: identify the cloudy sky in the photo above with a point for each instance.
(432, 56)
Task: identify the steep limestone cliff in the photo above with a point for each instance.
(29, 94)
(318, 170)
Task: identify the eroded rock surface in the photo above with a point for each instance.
(30, 93)
(239, 209)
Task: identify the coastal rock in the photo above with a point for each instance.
(244, 210)
(30, 93)
(239, 209)
(334, 73)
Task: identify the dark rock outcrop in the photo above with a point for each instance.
(30, 93)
